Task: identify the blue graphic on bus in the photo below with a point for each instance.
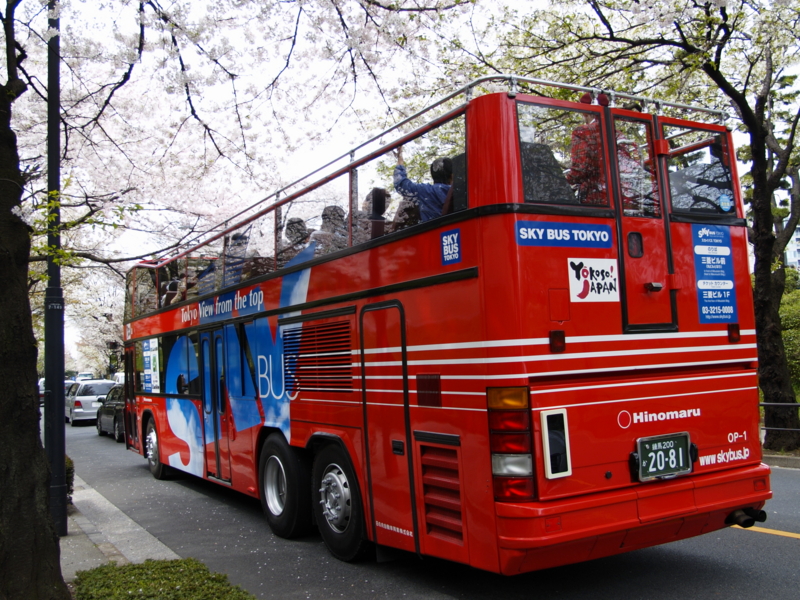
(713, 268)
(182, 373)
(564, 235)
(451, 247)
(242, 390)
(267, 349)
(185, 425)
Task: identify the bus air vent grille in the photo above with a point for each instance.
(442, 493)
(317, 357)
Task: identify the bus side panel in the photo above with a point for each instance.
(492, 133)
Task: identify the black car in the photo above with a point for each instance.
(111, 415)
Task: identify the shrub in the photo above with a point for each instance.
(70, 473)
(184, 579)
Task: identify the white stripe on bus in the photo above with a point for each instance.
(576, 405)
(545, 341)
(560, 357)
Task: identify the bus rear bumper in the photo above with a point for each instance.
(541, 535)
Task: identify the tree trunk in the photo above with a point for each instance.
(29, 551)
(773, 371)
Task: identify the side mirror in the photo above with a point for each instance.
(101, 399)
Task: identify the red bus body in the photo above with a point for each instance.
(463, 352)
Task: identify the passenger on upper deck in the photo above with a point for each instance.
(587, 171)
(428, 197)
(297, 235)
(332, 234)
(368, 223)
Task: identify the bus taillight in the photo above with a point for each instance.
(510, 442)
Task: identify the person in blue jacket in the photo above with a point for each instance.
(428, 197)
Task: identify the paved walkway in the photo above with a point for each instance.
(99, 532)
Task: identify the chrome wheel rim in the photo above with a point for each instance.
(275, 485)
(335, 498)
(117, 429)
(152, 446)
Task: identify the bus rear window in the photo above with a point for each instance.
(699, 172)
(562, 156)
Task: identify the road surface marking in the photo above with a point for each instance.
(772, 531)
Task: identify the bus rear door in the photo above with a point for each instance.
(643, 245)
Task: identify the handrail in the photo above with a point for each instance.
(512, 80)
(796, 405)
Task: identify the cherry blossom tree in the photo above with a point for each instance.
(738, 56)
(174, 114)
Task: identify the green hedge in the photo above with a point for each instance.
(70, 475)
(185, 579)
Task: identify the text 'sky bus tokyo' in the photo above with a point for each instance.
(546, 356)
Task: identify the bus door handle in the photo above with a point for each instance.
(654, 286)
(398, 447)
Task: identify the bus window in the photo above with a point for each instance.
(562, 156)
(129, 290)
(637, 178)
(138, 367)
(699, 172)
(195, 268)
(146, 299)
(179, 370)
(194, 382)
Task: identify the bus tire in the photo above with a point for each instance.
(285, 488)
(157, 468)
(337, 505)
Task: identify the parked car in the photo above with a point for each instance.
(111, 416)
(82, 399)
(67, 383)
(83, 376)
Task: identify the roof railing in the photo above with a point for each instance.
(467, 90)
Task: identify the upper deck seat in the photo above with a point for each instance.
(543, 179)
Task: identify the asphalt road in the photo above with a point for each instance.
(227, 532)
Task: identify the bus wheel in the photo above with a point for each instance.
(284, 479)
(338, 508)
(157, 468)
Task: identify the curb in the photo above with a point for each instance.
(782, 460)
(96, 536)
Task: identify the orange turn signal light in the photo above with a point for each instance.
(507, 398)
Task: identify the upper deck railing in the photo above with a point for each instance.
(240, 247)
(467, 90)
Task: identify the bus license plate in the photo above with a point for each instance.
(664, 456)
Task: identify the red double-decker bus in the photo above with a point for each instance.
(556, 363)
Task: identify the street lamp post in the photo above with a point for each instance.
(54, 297)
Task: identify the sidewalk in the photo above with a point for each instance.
(98, 532)
(780, 460)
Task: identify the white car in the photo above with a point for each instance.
(83, 376)
(83, 399)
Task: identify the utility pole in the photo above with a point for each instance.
(54, 296)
